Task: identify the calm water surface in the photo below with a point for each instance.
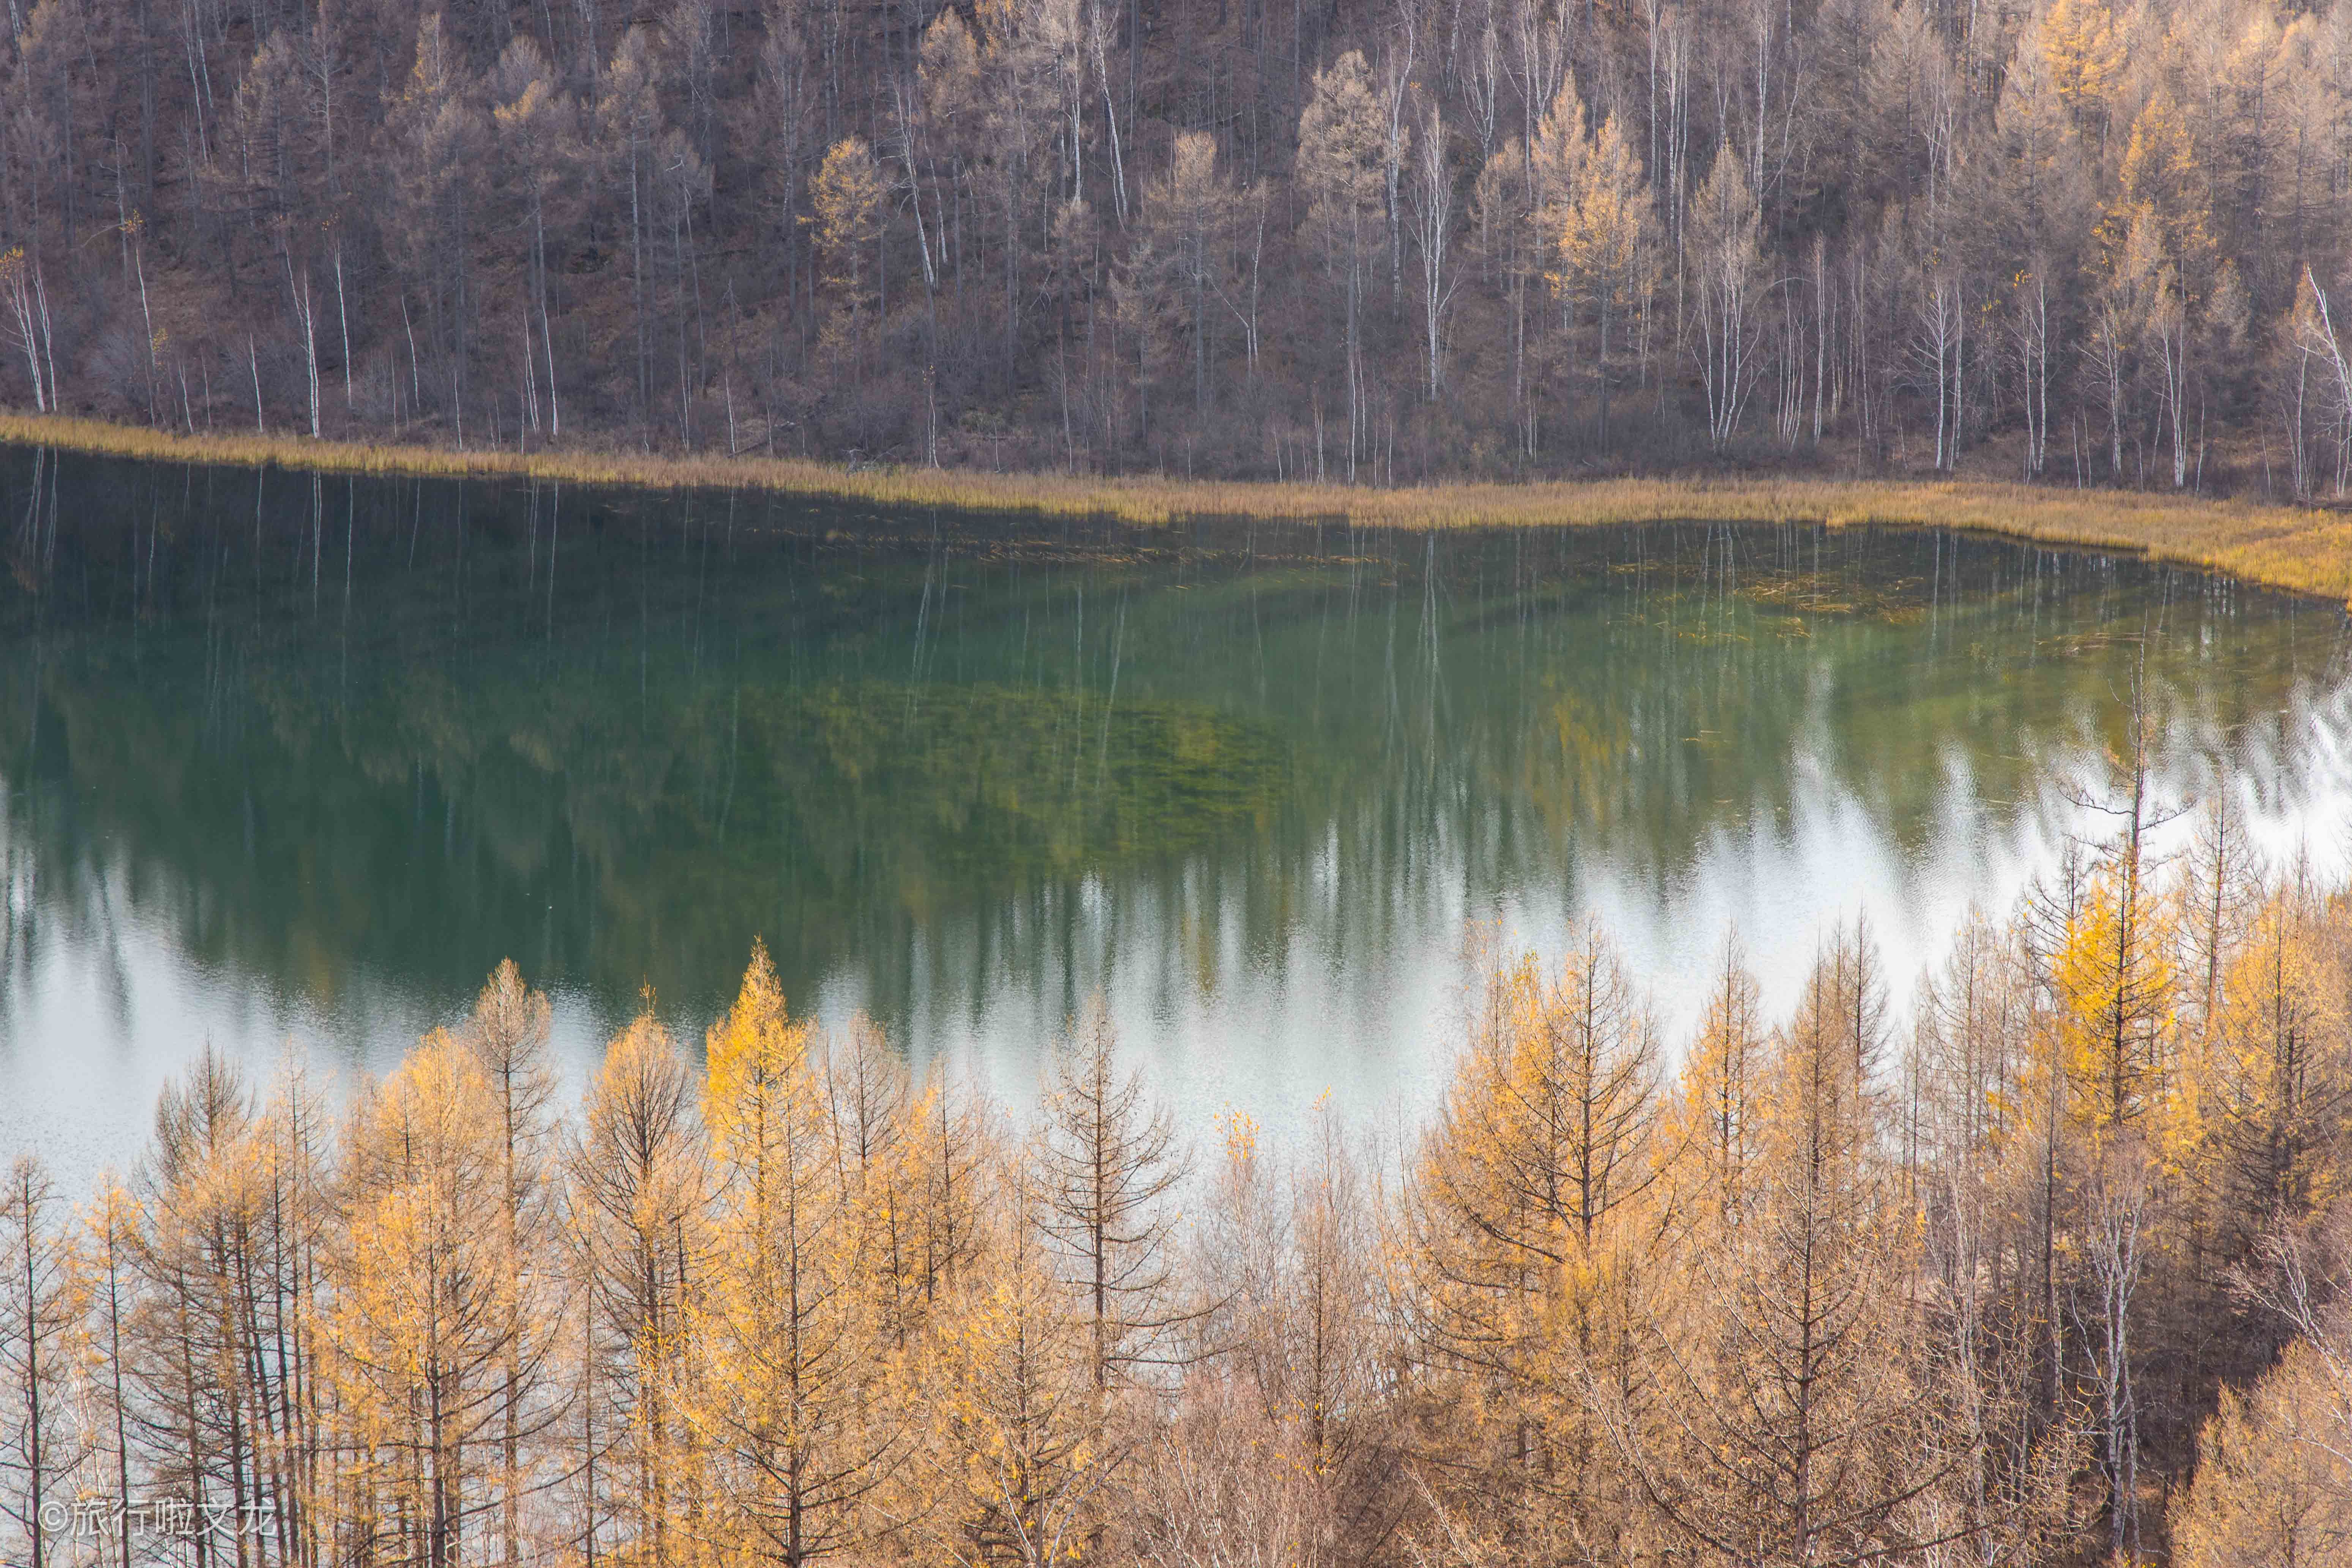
(291, 762)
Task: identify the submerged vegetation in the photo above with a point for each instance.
(2301, 549)
(2049, 1268)
(1806, 1291)
(400, 721)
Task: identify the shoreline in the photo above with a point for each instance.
(2297, 549)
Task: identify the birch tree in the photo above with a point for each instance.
(1429, 195)
(1727, 268)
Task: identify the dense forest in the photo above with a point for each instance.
(2052, 1274)
(1389, 241)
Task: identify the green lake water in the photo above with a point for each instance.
(294, 761)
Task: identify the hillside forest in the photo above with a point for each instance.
(1377, 241)
(2052, 1273)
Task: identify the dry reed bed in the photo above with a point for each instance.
(2301, 549)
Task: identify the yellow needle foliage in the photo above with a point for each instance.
(788, 1389)
(1814, 1291)
(2113, 977)
(420, 1338)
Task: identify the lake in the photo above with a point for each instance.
(291, 762)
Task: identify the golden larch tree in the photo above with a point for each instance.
(789, 1378)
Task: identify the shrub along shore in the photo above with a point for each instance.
(2301, 549)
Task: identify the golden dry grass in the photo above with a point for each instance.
(2297, 548)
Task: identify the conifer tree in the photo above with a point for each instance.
(846, 196)
(952, 1159)
(2270, 1476)
(636, 1185)
(1811, 1305)
(1797, 1417)
(789, 1378)
(110, 1289)
(1608, 259)
(2270, 1482)
(1713, 1121)
(2219, 893)
(1105, 1165)
(204, 1258)
(1019, 1454)
(2276, 1106)
(506, 1037)
(41, 1440)
(423, 1335)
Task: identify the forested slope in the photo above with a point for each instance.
(1388, 239)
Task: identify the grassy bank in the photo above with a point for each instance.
(2288, 547)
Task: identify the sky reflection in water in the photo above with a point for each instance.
(298, 760)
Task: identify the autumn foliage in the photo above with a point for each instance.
(2043, 1267)
(2063, 242)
